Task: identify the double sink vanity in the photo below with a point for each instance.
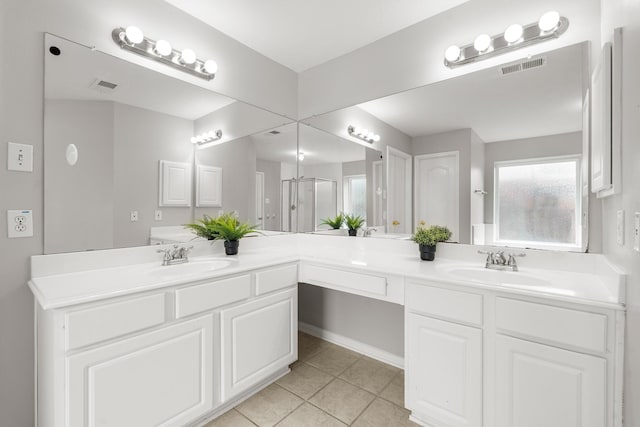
(123, 340)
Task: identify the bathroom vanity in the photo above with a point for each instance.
(123, 340)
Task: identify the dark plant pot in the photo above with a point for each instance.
(353, 232)
(427, 253)
(231, 247)
(211, 238)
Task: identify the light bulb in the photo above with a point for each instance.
(301, 156)
(210, 66)
(452, 53)
(363, 132)
(376, 137)
(194, 140)
(211, 134)
(356, 131)
(163, 48)
(513, 33)
(370, 136)
(482, 43)
(188, 56)
(133, 34)
(549, 21)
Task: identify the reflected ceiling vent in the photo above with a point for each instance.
(274, 132)
(524, 65)
(103, 86)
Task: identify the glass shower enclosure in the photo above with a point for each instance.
(306, 202)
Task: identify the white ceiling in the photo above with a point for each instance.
(536, 102)
(302, 34)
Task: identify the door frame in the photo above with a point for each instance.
(391, 151)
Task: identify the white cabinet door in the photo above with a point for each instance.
(443, 372)
(259, 338)
(163, 378)
(539, 385)
(174, 184)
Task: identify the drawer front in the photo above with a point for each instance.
(276, 278)
(445, 303)
(561, 326)
(99, 323)
(208, 296)
(344, 280)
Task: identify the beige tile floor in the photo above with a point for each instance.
(329, 386)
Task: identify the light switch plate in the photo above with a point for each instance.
(636, 232)
(158, 215)
(19, 223)
(134, 216)
(20, 157)
(620, 228)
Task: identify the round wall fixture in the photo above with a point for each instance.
(71, 154)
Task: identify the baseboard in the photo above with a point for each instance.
(351, 344)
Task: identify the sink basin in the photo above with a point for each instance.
(193, 267)
(502, 277)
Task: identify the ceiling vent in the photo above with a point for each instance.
(103, 86)
(524, 65)
(274, 132)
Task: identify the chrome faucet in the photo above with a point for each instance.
(498, 261)
(177, 255)
(366, 232)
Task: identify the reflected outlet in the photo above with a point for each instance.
(19, 223)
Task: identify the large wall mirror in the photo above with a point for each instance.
(120, 168)
(496, 155)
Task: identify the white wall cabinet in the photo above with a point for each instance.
(168, 364)
(444, 372)
(258, 338)
(539, 385)
(164, 377)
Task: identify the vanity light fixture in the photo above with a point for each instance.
(363, 134)
(133, 40)
(207, 137)
(550, 26)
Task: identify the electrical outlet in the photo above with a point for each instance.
(620, 228)
(20, 157)
(636, 232)
(220, 213)
(19, 223)
(134, 216)
(158, 215)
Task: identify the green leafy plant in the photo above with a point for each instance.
(334, 223)
(228, 227)
(204, 227)
(353, 222)
(429, 236)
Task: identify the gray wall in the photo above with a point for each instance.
(272, 188)
(141, 139)
(79, 199)
(367, 320)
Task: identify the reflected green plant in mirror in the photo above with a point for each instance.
(336, 222)
(353, 223)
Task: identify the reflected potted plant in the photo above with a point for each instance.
(428, 237)
(226, 227)
(353, 223)
(334, 223)
(204, 227)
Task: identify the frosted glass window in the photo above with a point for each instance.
(355, 195)
(537, 203)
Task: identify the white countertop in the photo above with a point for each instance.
(63, 280)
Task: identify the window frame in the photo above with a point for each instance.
(580, 245)
(346, 193)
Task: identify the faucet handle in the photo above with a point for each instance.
(489, 255)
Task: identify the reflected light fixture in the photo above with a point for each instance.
(363, 134)
(132, 39)
(550, 26)
(301, 156)
(207, 137)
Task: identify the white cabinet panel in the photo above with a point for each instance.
(274, 279)
(164, 377)
(175, 184)
(539, 385)
(207, 296)
(259, 338)
(443, 372)
(463, 307)
(208, 186)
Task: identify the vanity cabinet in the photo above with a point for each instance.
(170, 357)
(476, 357)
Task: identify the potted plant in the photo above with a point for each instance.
(334, 223)
(427, 237)
(204, 227)
(353, 222)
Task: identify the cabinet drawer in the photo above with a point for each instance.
(344, 280)
(561, 326)
(276, 278)
(99, 323)
(445, 303)
(208, 296)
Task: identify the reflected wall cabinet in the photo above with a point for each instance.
(175, 184)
